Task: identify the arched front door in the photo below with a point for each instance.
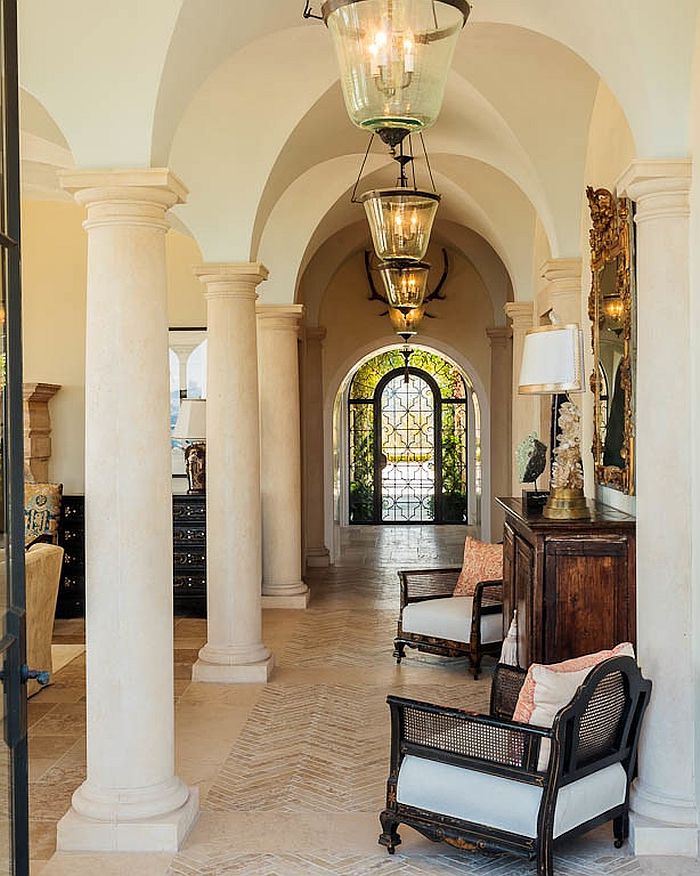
(408, 440)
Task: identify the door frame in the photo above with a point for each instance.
(14, 643)
(437, 415)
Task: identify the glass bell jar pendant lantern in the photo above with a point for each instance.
(401, 221)
(405, 283)
(394, 58)
(406, 325)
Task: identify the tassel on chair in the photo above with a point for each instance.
(509, 651)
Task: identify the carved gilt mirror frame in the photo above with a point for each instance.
(612, 310)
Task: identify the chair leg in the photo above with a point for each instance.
(399, 652)
(545, 857)
(621, 829)
(475, 661)
(389, 836)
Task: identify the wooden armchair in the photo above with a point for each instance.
(486, 781)
(433, 620)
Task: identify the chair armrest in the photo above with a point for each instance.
(488, 597)
(420, 584)
(472, 741)
(505, 690)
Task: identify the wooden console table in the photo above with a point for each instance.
(572, 582)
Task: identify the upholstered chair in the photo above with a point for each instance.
(487, 781)
(432, 619)
(42, 574)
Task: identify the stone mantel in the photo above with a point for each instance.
(37, 429)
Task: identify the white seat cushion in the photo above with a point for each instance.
(502, 803)
(449, 618)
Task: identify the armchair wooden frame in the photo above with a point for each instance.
(420, 585)
(599, 728)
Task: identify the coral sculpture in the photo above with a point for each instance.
(567, 471)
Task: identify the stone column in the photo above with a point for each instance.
(234, 651)
(501, 397)
(525, 407)
(278, 332)
(131, 800)
(317, 554)
(665, 812)
(37, 430)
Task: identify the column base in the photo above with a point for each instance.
(163, 833)
(294, 597)
(234, 673)
(650, 837)
(318, 558)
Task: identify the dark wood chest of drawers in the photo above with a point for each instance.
(573, 583)
(189, 555)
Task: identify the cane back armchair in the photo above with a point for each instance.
(432, 620)
(485, 781)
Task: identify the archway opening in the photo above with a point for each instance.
(413, 442)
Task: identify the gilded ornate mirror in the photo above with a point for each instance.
(612, 309)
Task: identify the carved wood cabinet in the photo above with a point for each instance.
(573, 583)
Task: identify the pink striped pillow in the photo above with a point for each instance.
(547, 689)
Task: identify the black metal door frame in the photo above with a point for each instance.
(12, 646)
(437, 414)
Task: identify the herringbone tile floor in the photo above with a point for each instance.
(291, 775)
(302, 786)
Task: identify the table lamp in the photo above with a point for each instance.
(191, 426)
(553, 364)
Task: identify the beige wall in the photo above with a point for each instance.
(54, 255)
(353, 323)
(610, 151)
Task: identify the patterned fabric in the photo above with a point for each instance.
(42, 510)
(482, 562)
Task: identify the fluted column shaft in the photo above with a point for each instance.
(663, 799)
(525, 407)
(278, 333)
(317, 554)
(234, 651)
(131, 799)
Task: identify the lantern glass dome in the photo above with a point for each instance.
(394, 58)
(405, 283)
(401, 221)
(406, 324)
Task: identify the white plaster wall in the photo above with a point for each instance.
(693, 445)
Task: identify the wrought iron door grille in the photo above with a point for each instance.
(408, 441)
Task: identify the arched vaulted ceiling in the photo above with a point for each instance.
(241, 100)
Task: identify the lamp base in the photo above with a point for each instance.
(566, 504)
(195, 464)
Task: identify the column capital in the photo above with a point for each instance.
(280, 317)
(499, 336)
(316, 333)
(659, 187)
(521, 313)
(130, 196)
(231, 279)
(562, 272)
(41, 392)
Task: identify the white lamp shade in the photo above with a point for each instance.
(552, 361)
(192, 420)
